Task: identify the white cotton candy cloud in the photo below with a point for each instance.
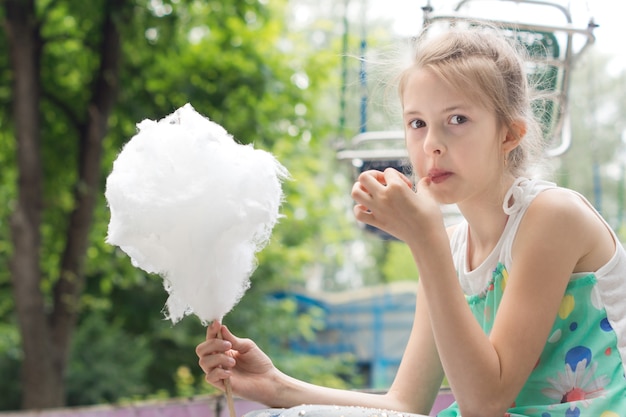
(189, 203)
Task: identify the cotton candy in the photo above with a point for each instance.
(189, 203)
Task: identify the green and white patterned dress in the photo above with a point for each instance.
(580, 372)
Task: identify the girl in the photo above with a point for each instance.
(521, 306)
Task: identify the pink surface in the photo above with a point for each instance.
(205, 406)
(443, 400)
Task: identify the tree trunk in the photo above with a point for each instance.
(40, 382)
(46, 336)
(69, 288)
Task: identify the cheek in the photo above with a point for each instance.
(415, 150)
(418, 163)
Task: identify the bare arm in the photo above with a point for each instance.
(254, 377)
(557, 235)
(415, 386)
(420, 373)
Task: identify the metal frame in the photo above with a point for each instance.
(357, 153)
(561, 131)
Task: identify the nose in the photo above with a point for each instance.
(433, 145)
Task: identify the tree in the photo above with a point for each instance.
(46, 332)
(70, 117)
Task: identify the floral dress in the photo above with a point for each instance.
(580, 372)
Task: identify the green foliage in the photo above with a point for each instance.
(107, 362)
(71, 35)
(10, 349)
(189, 383)
(399, 264)
(10, 357)
(233, 62)
(338, 371)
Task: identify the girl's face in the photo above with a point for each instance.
(454, 141)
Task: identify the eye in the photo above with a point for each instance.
(416, 123)
(457, 119)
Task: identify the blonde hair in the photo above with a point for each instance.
(486, 67)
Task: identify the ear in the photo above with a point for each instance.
(514, 135)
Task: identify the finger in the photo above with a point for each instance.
(359, 189)
(239, 346)
(407, 181)
(213, 345)
(228, 336)
(392, 175)
(362, 188)
(372, 178)
(368, 184)
(209, 347)
(217, 376)
(213, 329)
(423, 185)
(216, 360)
(360, 208)
(361, 195)
(364, 215)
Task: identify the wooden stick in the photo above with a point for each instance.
(229, 389)
(229, 397)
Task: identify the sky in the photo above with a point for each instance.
(610, 15)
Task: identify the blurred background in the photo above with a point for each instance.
(331, 302)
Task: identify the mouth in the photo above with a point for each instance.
(438, 176)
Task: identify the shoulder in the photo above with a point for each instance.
(562, 217)
(556, 208)
(558, 211)
(559, 201)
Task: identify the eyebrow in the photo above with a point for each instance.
(455, 107)
(411, 113)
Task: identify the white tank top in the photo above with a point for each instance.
(611, 277)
